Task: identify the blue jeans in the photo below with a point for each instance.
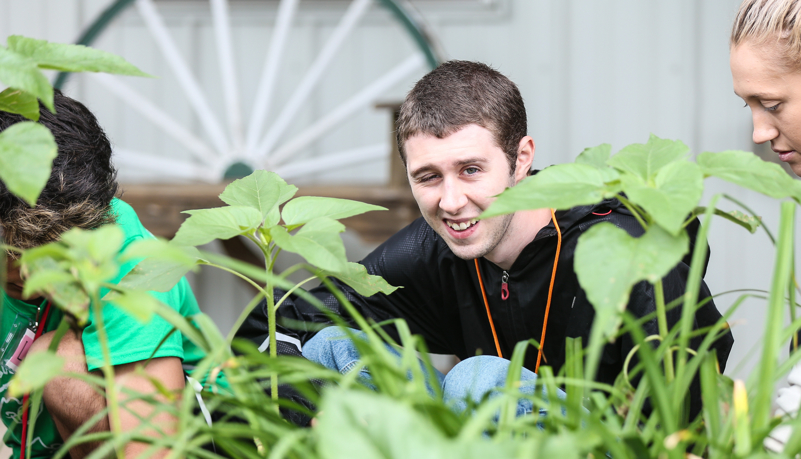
(470, 379)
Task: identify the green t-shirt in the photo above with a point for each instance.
(129, 340)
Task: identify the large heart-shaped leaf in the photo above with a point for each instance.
(645, 160)
(34, 372)
(674, 194)
(27, 151)
(14, 100)
(608, 262)
(595, 156)
(306, 208)
(318, 241)
(747, 170)
(71, 58)
(261, 190)
(163, 266)
(365, 425)
(356, 276)
(560, 187)
(206, 225)
(20, 72)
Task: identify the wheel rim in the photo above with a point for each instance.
(236, 145)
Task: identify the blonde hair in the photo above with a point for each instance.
(763, 21)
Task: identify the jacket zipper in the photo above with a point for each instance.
(505, 286)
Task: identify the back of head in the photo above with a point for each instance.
(459, 93)
(763, 22)
(81, 185)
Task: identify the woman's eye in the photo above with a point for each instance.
(773, 108)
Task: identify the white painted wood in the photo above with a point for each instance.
(333, 161)
(272, 64)
(150, 110)
(189, 85)
(230, 84)
(360, 100)
(349, 20)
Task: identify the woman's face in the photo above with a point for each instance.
(773, 92)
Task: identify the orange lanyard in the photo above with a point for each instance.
(547, 305)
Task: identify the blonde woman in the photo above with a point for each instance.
(766, 69)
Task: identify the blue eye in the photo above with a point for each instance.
(773, 108)
(471, 170)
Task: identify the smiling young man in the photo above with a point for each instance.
(475, 288)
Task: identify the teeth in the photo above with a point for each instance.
(462, 226)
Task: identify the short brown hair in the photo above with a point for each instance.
(458, 93)
(761, 21)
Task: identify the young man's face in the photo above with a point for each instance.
(773, 92)
(454, 179)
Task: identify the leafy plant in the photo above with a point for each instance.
(656, 181)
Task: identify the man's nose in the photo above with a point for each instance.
(453, 197)
(764, 129)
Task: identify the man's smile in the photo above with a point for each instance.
(461, 226)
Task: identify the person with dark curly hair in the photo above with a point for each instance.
(80, 193)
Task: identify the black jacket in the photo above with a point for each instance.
(441, 298)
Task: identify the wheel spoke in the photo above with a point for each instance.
(162, 167)
(355, 11)
(230, 86)
(261, 107)
(363, 98)
(333, 161)
(187, 81)
(160, 119)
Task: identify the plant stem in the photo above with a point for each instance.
(661, 317)
(108, 373)
(633, 209)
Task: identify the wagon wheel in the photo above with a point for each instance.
(308, 131)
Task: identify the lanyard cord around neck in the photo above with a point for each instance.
(547, 305)
(25, 398)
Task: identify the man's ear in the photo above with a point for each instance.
(525, 157)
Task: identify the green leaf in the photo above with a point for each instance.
(71, 58)
(259, 190)
(101, 244)
(748, 170)
(27, 151)
(20, 102)
(35, 371)
(55, 279)
(672, 197)
(20, 72)
(370, 426)
(163, 264)
(560, 187)
(318, 241)
(608, 262)
(356, 276)
(140, 305)
(160, 249)
(206, 225)
(645, 160)
(595, 156)
(306, 208)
